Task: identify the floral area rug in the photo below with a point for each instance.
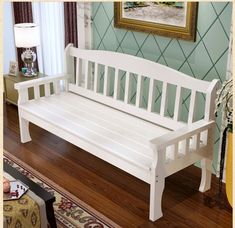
(69, 210)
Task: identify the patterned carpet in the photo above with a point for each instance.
(69, 210)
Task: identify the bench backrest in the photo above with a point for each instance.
(123, 81)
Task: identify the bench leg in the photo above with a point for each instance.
(206, 165)
(155, 205)
(24, 130)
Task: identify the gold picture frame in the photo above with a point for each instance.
(174, 19)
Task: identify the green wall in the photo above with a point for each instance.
(205, 59)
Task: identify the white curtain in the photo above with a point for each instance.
(50, 17)
(84, 24)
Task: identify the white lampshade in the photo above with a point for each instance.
(26, 35)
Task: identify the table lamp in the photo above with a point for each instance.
(27, 36)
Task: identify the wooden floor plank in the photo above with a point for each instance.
(118, 195)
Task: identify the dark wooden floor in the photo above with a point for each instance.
(121, 197)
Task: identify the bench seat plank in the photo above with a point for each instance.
(101, 132)
(116, 120)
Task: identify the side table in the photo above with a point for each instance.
(11, 95)
(38, 190)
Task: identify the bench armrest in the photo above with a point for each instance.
(174, 137)
(23, 87)
(40, 81)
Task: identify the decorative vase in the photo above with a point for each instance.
(229, 169)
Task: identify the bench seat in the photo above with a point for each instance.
(115, 132)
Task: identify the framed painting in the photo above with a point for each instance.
(172, 19)
(13, 68)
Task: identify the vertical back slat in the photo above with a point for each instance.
(56, 87)
(210, 98)
(86, 65)
(116, 85)
(77, 71)
(127, 88)
(65, 85)
(195, 144)
(106, 81)
(151, 95)
(198, 141)
(80, 73)
(192, 104)
(96, 79)
(69, 63)
(36, 92)
(164, 99)
(176, 148)
(204, 137)
(139, 90)
(47, 89)
(186, 150)
(178, 105)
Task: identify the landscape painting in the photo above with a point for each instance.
(174, 19)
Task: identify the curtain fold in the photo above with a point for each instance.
(50, 17)
(84, 24)
(23, 14)
(70, 23)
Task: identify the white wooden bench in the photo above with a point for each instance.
(107, 116)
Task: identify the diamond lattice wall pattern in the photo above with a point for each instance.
(205, 59)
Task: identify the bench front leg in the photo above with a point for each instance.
(206, 165)
(206, 162)
(24, 130)
(157, 185)
(156, 191)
